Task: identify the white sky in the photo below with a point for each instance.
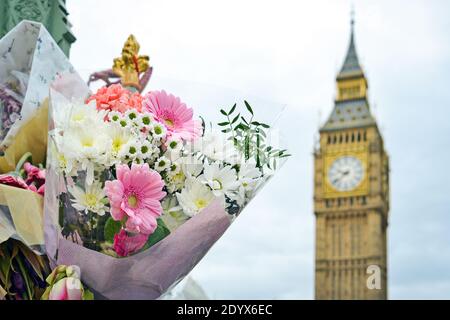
(279, 53)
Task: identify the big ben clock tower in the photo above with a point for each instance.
(351, 194)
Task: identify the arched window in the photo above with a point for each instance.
(346, 137)
(329, 139)
(359, 137)
(353, 137)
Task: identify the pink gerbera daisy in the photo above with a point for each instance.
(136, 195)
(174, 114)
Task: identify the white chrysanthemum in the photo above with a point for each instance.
(174, 145)
(145, 120)
(115, 116)
(194, 197)
(125, 123)
(163, 163)
(64, 157)
(217, 147)
(92, 198)
(191, 166)
(248, 175)
(146, 149)
(221, 179)
(120, 137)
(81, 113)
(175, 168)
(133, 149)
(88, 145)
(175, 182)
(131, 115)
(159, 131)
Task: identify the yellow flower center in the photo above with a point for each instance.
(168, 122)
(91, 199)
(132, 201)
(78, 117)
(117, 144)
(87, 142)
(200, 203)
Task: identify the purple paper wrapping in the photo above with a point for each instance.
(147, 275)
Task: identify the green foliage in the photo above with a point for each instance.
(17, 261)
(249, 136)
(160, 233)
(112, 228)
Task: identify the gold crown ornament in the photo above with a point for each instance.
(130, 65)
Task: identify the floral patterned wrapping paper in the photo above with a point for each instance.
(29, 61)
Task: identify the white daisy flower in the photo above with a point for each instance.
(131, 115)
(162, 164)
(174, 145)
(145, 120)
(191, 166)
(125, 122)
(216, 147)
(133, 149)
(174, 168)
(175, 182)
(115, 116)
(92, 198)
(146, 149)
(194, 197)
(159, 131)
(248, 175)
(222, 180)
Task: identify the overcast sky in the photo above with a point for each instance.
(287, 53)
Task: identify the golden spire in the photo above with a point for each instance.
(130, 65)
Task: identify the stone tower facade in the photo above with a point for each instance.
(51, 13)
(351, 194)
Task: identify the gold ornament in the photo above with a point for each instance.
(131, 64)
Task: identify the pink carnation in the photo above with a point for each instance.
(116, 98)
(124, 244)
(12, 181)
(174, 114)
(136, 195)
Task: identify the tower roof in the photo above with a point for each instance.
(351, 66)
(349, 114)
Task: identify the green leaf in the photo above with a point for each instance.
(87, 294)
(243, 119)
(264, 125)
(226, 130)
(232, 109)
(160, 233)
(248, 107)
(223, 112)
(222, 124)
(112, 228)
(235, 119)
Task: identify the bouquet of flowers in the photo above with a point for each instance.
(137, 181)
(29, 62)
(137, 189)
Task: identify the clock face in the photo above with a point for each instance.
(346, 173)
